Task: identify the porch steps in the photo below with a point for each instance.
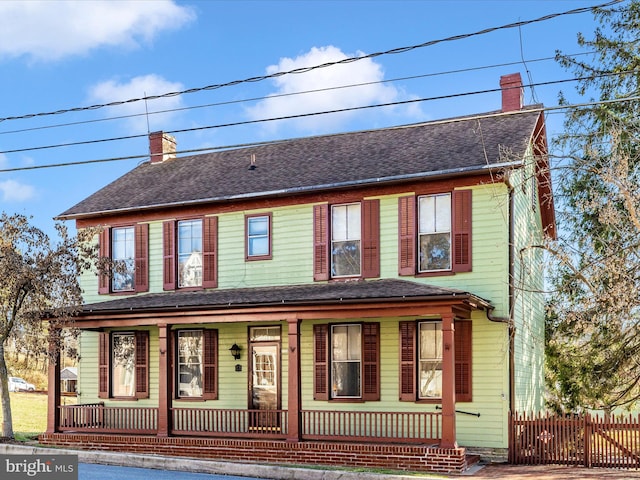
(472, 459)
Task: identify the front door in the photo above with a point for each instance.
(264, 388)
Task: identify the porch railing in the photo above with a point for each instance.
(241, 423)
(405, 427)
(98, 418)
(398, 427)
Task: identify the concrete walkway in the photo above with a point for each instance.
(480, 472)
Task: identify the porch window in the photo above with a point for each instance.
(346, 348)
(123, 360)
(122, 244)
(430, 359)
(190, 253)
(345, 240)
(128, 248)
(258, 237)
(434, 233)
(196, 363)
(347, 361)
(421, 360)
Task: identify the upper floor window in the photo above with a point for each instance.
(127, 248)
(434, 233)
(123, 364)
(346, 240)
(123, 255)
(196, 363)
(346, 228)
(190, 253)
(347, 361)
(258, 237)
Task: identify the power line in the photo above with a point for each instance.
(302, 115)
(300, 70)
(547, 110)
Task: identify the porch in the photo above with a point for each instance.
(391, 440)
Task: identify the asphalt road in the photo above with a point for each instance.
(91, 471)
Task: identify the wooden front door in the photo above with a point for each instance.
(264, 387)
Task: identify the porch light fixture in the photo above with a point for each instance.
(235, 351)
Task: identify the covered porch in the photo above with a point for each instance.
(297, 433)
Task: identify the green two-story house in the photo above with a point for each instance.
(361, 299)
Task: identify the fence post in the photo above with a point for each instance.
(587, 440)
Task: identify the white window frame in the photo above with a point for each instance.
(430, 360)
(346, 228)
(434, 221)
(123, 255)
(123, 370)
(189, 259)
(348, 358)
(187, 367)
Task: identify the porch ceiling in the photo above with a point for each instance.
(332, 293)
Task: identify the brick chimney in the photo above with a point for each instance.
(162, 147)
(512, 92)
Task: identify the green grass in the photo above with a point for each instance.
(29, 414)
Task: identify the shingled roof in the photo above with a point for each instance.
(314, 294)
(458, 146)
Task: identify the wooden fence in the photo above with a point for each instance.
(587, 440)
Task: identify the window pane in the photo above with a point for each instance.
(258, 236)
(426, 208)
(443, 213)
(435, 252)
(190, 351)
(345, 361)
(123, 365)
(123, 255)
(430, 359)
(345, 244)
(190, 253)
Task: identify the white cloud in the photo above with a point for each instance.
(51, 30)
(4, 161)
(139, 87)
(14, 191)
(364, 71)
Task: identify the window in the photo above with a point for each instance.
(421, 360)
(190, 253)
(258, 237)
(123, 255)
(123, 359)
(127, 247)
(430, 359)
(196, 364)
(346, 240)
(346, 354)
(434, 233)
(347, 362)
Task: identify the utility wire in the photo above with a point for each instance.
(302, 115)
(541, 109)
(300, 70)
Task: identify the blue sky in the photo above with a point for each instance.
(63, 55)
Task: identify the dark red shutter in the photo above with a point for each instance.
(371, 238)
(209, 252)
(407, 235)
(103, 364)
(408, 361)
(210, 365)
(371, 361)
(461, 230)
(104, 251)
(168, 255)
(321, 242)
(142, 364)
(463, 339)
(142, 257)
(321, 362)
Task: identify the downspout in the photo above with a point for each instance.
(509, 320)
